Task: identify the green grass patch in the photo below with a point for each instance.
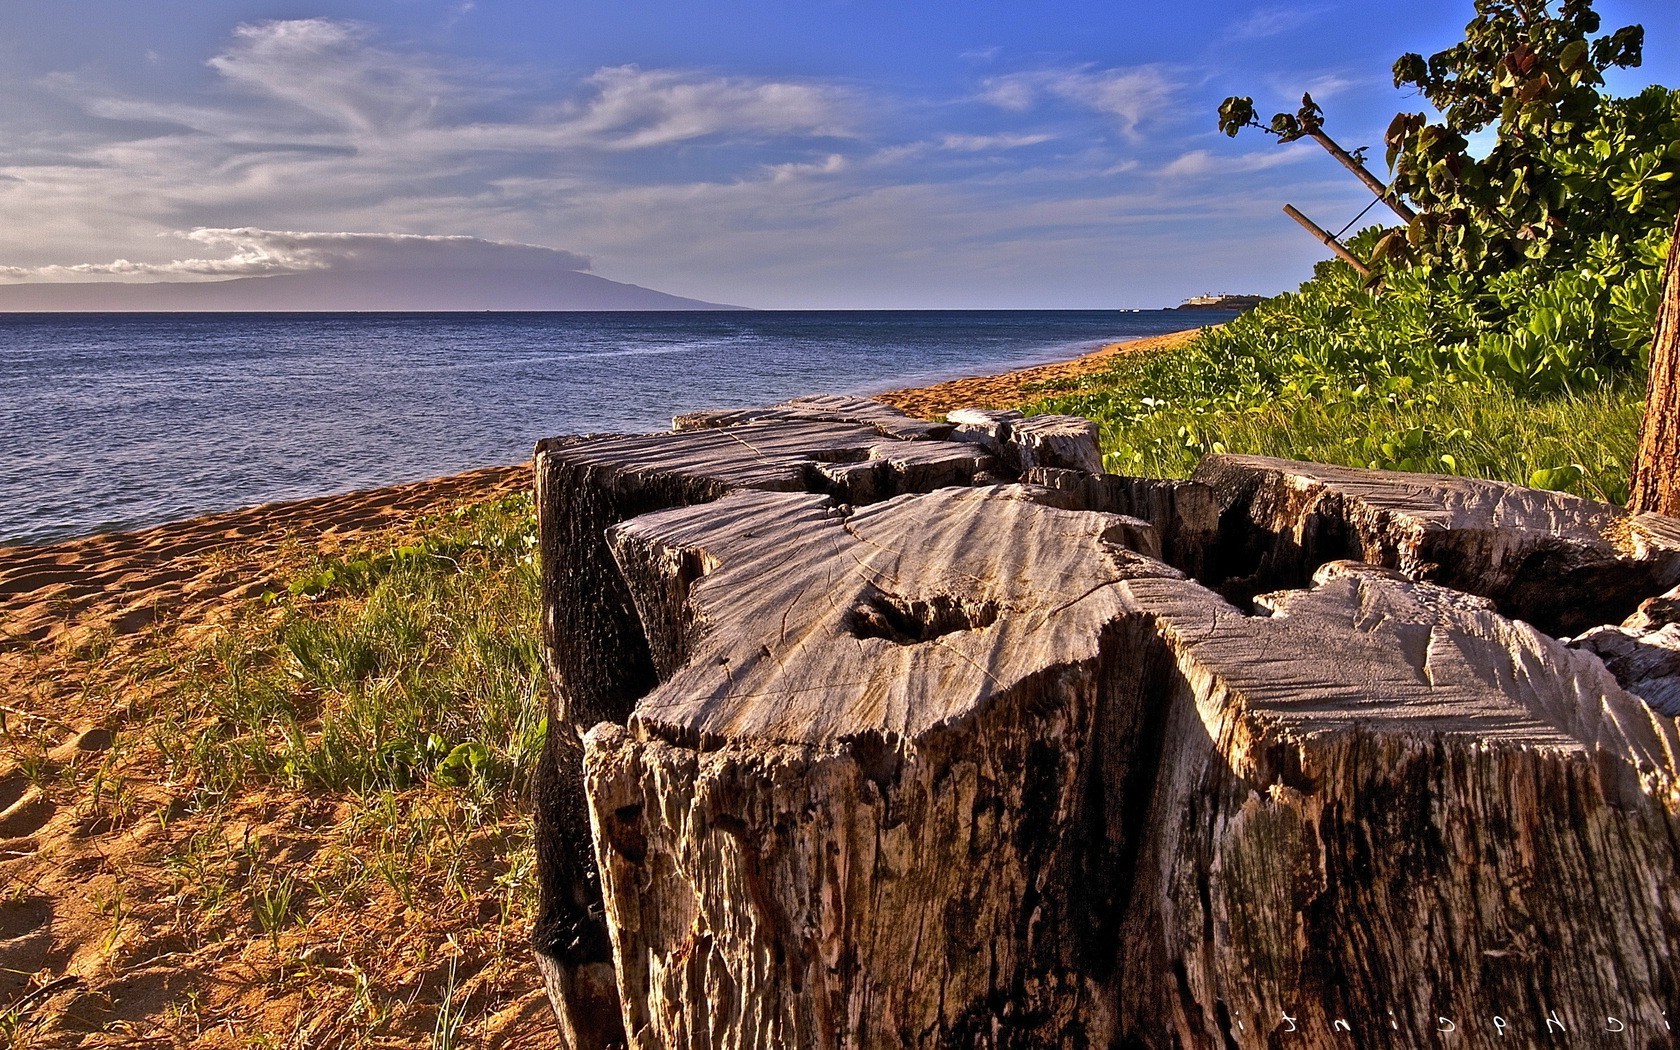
(381, 670)
(1157, 419)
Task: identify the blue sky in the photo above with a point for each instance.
(829, 153)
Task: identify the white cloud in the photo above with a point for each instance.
(1130, 96)
(1272, 21)
(990, 143)
(256, 253)
(330, 69)
(635, 108)
(335, 86)
(1200, 162)
(832, 164)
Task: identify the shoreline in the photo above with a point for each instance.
(1010, 389)
(124, 582)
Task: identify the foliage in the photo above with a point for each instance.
(1507, 327)
(1535, 265)
(1160, 413)
(1569, 164)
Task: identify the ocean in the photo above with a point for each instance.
(118, 421)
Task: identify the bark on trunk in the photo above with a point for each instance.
(1656, 469)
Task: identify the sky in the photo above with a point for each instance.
(824, 154)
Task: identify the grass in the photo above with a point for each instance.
(1158, 418)
(319, 808)
(381, 670)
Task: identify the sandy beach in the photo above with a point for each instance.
(92, 630)
(1012, 389)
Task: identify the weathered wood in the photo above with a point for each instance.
(958, 770)
(1023, 443)
(1643, 651)
(822, 408)
(1184, 513)
(1559, 561)
(850, 818)
(1385, 804)
(1656, 466)
(972, 768)
(596, 648)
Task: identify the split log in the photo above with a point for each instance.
(1024, 443)
(1558, 561)
(822, 408)
(974, 768)
(1184, 513)
(1385, 811)
(851, 818)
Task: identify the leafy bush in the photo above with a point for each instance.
(1504, 331)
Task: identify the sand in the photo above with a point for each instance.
(92, 628)
(1013, 389)
(123, 582)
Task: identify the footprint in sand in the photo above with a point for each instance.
(90, 741)
(26, 943)
(27, 815)
(24, 807)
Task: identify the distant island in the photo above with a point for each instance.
(353, 290)
(1221, 302)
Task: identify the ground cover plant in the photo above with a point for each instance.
(1504, 330)
(308, 827)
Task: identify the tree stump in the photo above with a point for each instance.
(1559, 561)
(596, 647)
(973, 767)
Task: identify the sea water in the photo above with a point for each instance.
(114, 421)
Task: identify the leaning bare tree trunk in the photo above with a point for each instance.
(1656, 471)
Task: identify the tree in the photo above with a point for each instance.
(1563, 148)
(1656, 470)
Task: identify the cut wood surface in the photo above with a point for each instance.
(821, 408)
(835, 824)
(1385, 805)
(596, 647)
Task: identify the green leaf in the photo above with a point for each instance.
(462, 763)
(1556, 479)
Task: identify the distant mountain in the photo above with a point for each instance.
(339, 290)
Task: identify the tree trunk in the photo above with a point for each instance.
(1656, 469)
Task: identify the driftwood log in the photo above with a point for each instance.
(861, 742)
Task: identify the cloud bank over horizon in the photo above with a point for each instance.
(959, 156)
(262, 253)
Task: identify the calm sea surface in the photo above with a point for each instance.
(111, 421)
